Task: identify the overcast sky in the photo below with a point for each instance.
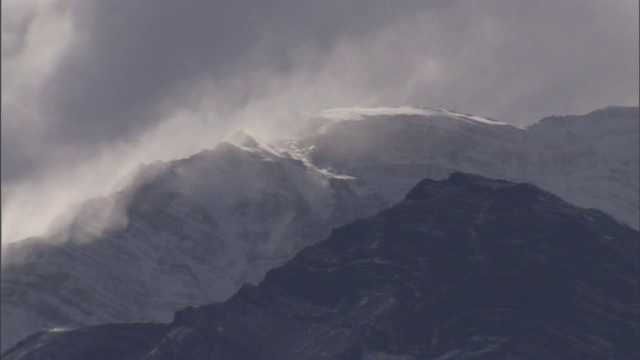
(90, 88)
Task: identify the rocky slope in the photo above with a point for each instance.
(192, 231)
(465, 268)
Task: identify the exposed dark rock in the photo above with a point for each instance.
(464, 268)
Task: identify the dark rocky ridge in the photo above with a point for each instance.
(464, 268)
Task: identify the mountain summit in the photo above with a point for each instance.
(192, 231)
(590, 160)
(464, 268)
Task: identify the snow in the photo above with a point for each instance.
(224, 217)
(473, 118)
(358, 113)
(591, 160)
(171, 255)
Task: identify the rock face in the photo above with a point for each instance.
(192, 231)
(464, 268)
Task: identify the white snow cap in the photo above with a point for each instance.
(358, 113)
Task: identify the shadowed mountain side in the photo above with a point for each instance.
(463, 268)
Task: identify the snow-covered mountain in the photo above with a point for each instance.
(186, 232)
(590, 160)
(464, 268)
(192, 231)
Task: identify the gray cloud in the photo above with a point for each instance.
(91, 88)
(138, 54)
(127, 58)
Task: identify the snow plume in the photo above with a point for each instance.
(91, 89)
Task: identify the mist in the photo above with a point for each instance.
(93, 89)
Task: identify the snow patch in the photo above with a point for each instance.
(357, 113)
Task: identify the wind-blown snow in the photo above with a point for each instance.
(356, 113)
(196, 229)
(590, 160)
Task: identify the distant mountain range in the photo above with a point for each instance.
(192, 231)
(464, 268)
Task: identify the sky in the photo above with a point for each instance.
(93, 88)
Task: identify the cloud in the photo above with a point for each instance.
(35, 35)
(93, 88)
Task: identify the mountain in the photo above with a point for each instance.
(463, 268)
(186, 232)
(590, 160)
(192, 231)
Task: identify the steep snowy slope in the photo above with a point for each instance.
(192, 231)
(590, 160)
(603, 149)
(195, 231)
(464, 268)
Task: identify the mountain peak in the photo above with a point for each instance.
(357, 113)
(201, 226)
(618, 110)
(515, 194)
(242, 138)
